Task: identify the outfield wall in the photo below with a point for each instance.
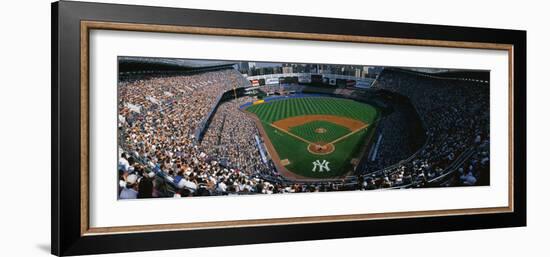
(308, 78)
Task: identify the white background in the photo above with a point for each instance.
(105, 210)
(25, 127)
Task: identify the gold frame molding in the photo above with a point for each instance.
(87, 26)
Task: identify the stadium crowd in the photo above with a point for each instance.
(161, 156)
(158, 121)
(394, 134)
(230, 137)
(456, 116)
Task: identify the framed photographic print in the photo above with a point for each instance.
(177, 128)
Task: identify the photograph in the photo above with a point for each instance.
(198, 127)
(219, 127)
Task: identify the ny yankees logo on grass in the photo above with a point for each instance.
(322, 166)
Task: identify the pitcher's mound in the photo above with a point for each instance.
(320, 148)
(320, 130)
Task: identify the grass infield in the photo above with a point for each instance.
(320, 131)
(345, 123)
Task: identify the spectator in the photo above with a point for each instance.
(130, 190)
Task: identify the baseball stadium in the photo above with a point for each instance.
(190, 128)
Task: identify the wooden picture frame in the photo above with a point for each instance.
(71, 25)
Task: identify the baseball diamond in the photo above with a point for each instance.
(315, 137)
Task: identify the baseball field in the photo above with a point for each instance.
(315, 137)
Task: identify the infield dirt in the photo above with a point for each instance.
(288, 123)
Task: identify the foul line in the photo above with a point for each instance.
(288, 132)
(348, 135)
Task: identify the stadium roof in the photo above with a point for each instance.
(127, 63)
(452, 73)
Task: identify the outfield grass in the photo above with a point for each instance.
(290, 107)
(295, 150)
